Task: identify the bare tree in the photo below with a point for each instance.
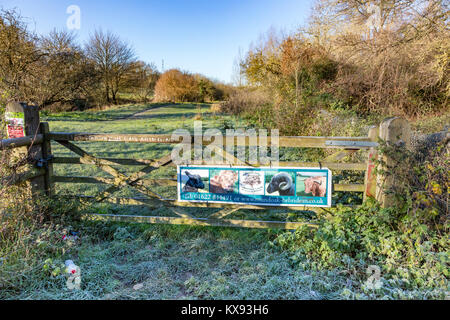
(113, 58)
(238, 72)
(64, 73)
(43, 70)
(18, 54)
(392, 53)
(142, 79)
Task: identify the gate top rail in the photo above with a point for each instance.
(21, 142)
(284, 141)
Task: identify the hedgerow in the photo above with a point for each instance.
(408, 242)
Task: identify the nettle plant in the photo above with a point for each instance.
(408, 241)
(421, 182)
(31, 228)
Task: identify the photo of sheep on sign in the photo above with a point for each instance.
(195, 180)
(255, 185)
(280, 183)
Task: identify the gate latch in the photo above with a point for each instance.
(349, 144)
(43, 163)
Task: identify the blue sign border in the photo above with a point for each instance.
(258, 200)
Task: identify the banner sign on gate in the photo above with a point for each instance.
(15, 123)
(255, 185)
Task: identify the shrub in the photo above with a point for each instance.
(408, 252)
(175, 85)
(399, 69)
(409, 242)
(30, 230)
(216, 108)
(252, 103)
(257, 106)
(422, 180)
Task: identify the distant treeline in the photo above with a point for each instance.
(178, 86)
(55, 71)
(371, 57)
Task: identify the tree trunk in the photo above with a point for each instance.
(113, 92)
(296, 87)
(107, 94)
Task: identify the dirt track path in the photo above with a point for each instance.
(139, 114)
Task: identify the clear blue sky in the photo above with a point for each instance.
(199, 36)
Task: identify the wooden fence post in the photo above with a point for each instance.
(15, 128)
(21, 115)
(46, 154)
(392, 131)
(370, 180)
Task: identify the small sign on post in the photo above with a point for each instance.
(264, 186)
(23, 120)
(15, 124)
(15, 120)
(15, 128)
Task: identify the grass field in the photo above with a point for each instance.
(141, 119)
(130, 261)
(166, 262)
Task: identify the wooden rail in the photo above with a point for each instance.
(173, 182)
(21, 142)
(355, 166)
(22, 176)
(295, 142)
(390, 130)
(200, 221)
(153, 200)
(175, 203)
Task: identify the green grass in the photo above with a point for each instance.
(171, 262)
(179, 263)
(110, 113)
(162, 120)
(432, 124)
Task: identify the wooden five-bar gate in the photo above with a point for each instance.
(37, 147)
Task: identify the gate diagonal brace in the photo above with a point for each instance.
(229, 157)
(224, 212)
(123, 180)
(340, 155)
(226, 157)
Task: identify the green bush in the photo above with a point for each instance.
(408, 242)
(31, 230)
(408, 251)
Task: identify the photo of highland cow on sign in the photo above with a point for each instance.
(311, 184)
(255, 186)
(223, 181)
